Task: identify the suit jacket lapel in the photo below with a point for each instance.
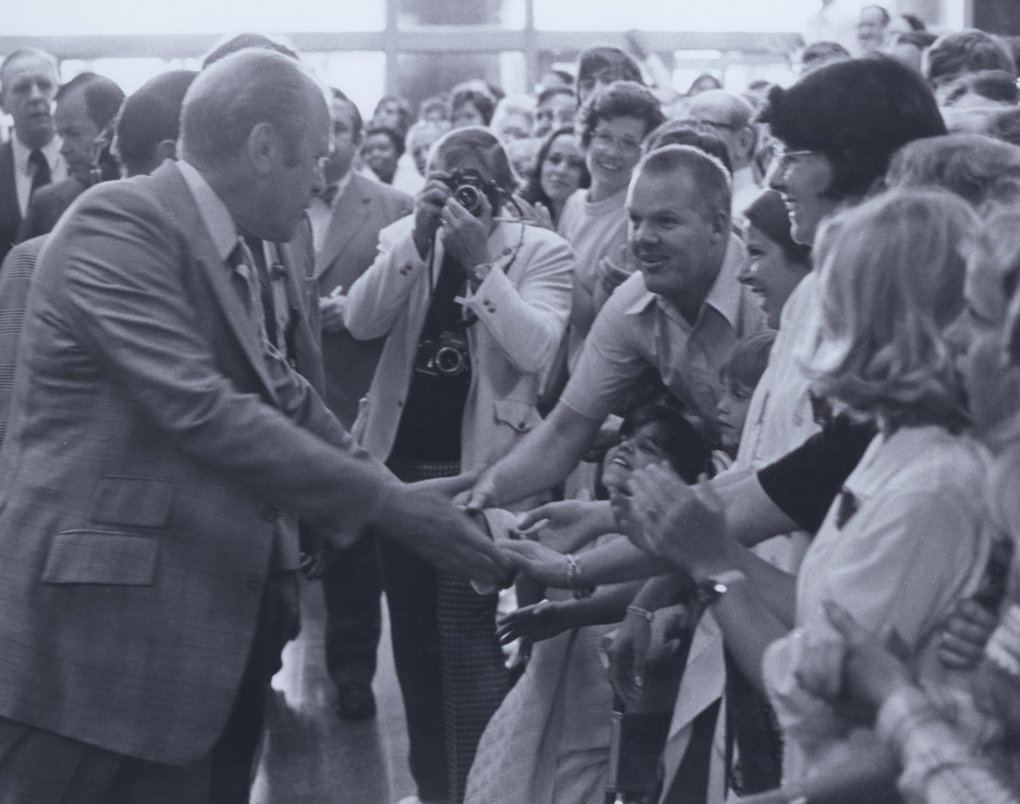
(181, 206)
(349, 216)
(8, 183)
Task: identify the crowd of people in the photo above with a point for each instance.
(678, 429)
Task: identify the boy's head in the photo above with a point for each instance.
(740, 374)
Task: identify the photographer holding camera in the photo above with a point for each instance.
(474, 303)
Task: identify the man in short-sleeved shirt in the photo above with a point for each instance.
(641, 328)
(681, 314)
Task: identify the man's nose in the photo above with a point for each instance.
(745, 272)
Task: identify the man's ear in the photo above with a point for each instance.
(720, 220)
(261, 147)
(746, 138)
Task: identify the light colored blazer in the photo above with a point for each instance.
(150, 450)
(522, 315)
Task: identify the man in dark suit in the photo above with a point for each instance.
(146, 135)
(155, 439)
(346, 220)
(31, 158)
(86, 105)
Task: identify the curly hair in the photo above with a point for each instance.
(890, 283)
(620, 99)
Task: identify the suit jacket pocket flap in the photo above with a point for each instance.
(100, 557)
(132, 501)
(517, 413)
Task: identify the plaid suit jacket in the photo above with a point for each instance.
(150, 449)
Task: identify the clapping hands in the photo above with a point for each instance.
(662, 515)
(858, 671)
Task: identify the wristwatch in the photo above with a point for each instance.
(715, 586)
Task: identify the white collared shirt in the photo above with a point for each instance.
(320, 214)
(24, 171)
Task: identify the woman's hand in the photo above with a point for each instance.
(537, 561)
(872, 671)
(565, 525)
(628, 654)
(685, 525)
(965, 634)
(543, 620)
(465, 237)
(537, 214)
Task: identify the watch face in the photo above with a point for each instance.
(710, 591)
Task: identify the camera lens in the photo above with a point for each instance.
(469, 197)
(449, 360)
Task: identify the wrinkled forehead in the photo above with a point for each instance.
(29, 65)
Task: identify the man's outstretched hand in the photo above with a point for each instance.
(425, 522)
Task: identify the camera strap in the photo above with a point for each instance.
(444, 313)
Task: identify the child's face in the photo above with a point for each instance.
(641, 448)
(731, 412)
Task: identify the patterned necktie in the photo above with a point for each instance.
(42, 176)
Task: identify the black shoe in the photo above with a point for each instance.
(355, 700)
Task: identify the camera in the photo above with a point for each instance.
(469, 186)
(447, 357)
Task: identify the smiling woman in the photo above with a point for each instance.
(616, 120)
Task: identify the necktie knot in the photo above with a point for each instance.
(329, 193)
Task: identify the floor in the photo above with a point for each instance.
(311, 756)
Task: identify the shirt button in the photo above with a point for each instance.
(270, 513)
(253, 582)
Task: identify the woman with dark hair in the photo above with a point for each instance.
(838, 128)
(471, 107)
(558, 173)
(601, 65)
(616, 121)
(381, 150)
(776, 263)
(473, 307)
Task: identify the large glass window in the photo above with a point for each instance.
(30, 18)
(656, 15)
(420, 75)
(360, 75)
(505, 14)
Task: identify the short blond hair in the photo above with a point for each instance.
(890, 283)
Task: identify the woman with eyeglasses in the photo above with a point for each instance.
(558, 173)
(615, 122)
